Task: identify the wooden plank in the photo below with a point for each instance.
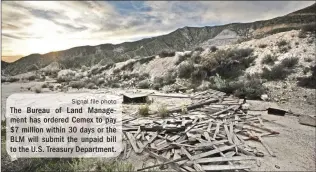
(196, 166)
(149, 141)
(228, 134)
(162, 159)
(224, 167)
(216, 130)
(132, 141)
(209, 126)
(212, 152)
(207, 136)
(224, 159)
(176, 154)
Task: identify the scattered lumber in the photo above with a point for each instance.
(212, 136)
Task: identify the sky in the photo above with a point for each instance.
(44, 26)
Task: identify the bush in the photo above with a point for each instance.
(302, 34)
(76, 84)
(9, 79)
(213, 48)
(199, 49)
(308, 59)
(198, 74)
(262, 45)
(289, 62)
(45, 85)
(196, 57)
(91, 86)
(32, 78)
(269, 59)
(309, 82)
(309, 28)
(297, 43)
(157, 83)
(162, 111)
(143, 110)
(37, 90)
(144, 84)
(185, 69)
(167, 53)
(282, 43)
(51, 87)
(281, 70)
(169, 78)
(251, 87)
(228, 63)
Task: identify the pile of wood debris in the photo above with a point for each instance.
(211, 136)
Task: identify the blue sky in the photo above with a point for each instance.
(44, 26)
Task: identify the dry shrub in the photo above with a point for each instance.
(269, 59)
(213, 48)
(144, 84)
(228, 63)
(37, 90)
(167, 53)
(185, 69)
(77, 84)
(143, 110)
(162, 111)
(262, 45)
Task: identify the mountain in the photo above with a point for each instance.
(4, 64)
(182, 39)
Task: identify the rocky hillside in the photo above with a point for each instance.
(182, 39)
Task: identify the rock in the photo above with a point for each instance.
(307, 120)
(264, 97)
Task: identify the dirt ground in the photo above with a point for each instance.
(294, 147)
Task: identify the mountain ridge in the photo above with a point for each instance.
(181, 39)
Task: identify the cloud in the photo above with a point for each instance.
(44, 26)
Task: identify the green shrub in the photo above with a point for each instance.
(91, 86)
(198, 74)
(143, 110)
(302, 34)
(185, 69)
(32, 78)
(77, 84)
(251, 87)
(282, 43)
(45, 85)
(284, 49)
(167, 53)
(280, 71)
(213, 48)
(269, 59)
(199, 49)
(169, 78)
(309, 28)
(290, 62)
(310, 81)
(228, 63)
(308, 59)
(144, 84)
(37, 90)
(263, 45)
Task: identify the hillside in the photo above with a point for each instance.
(4, 64)
(182, 39)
